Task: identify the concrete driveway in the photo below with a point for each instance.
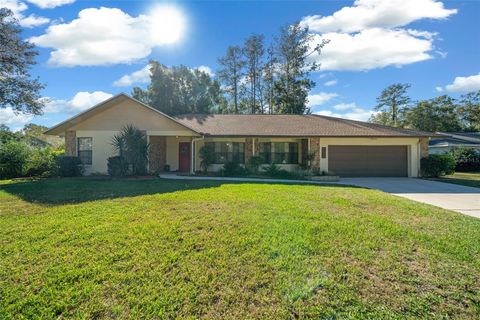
(449, 196)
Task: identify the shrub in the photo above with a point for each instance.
(436, 165)
(232, 169)
(254, 163)
(13, 156)
(207, 156)
(466, 159)
(41, 163)
(69, 166)
(131, 144)
(117, 166)
(274, 171)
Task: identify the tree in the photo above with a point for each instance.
(267, 88)
(437, 114)
(393, 102)
(253, 52)
(17, 89)
(7, 135)
(469, 110)
(178, 90)
(231, 72)
(293, 47)
(132, 146)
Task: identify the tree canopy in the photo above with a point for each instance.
(17, 89)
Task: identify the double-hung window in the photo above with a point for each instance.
(84, 150)
(228, 151)
(279, 152)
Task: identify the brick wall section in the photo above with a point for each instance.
(71, 143)
(304, 147)
(248, 149)
(158, 154)
(423, 147)
(315, 148)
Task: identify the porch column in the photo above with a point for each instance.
(315, 149)
(248, 149)
(157, 157)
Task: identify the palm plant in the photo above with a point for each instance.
(131, 144)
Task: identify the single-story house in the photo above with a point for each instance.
(344, 147)
(446, 141)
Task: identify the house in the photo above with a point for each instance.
(345, 147)
(446, 141)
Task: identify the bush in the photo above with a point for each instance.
(117, 166)
(233, 169)
(41, 163)
(254, 163)
(207, 156)
(274, 171)
(69, 166)
(436, 165)
(13, 156)
(466, 159)
(131, 144)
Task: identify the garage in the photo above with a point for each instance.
(368, 161)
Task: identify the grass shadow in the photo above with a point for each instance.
(77, 190)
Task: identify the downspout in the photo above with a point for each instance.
(192, 162)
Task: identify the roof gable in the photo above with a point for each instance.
(112, 114)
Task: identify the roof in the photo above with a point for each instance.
(456, 139)
(257, 125)
(289, 125)
(65, 125)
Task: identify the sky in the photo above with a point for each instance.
(91, 50)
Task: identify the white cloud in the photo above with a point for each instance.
(347, 111)
(366, 14)
(18, 9)
(48, 4)
(104, 36)
(368, 35)
(318, 99)
(207, 70)
(138, 77)
(81, 101)
(462, 84)
(15, 121)
(331, 83)
(370, 49)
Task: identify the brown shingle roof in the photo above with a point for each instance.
(289, 125)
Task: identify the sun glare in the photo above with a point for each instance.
(168, 24)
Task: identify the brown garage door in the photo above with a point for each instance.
(368, 161)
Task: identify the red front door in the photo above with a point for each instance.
(184, 156)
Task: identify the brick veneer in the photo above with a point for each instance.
(71, 143)
(423, 147)
(158, 154)
(315, 148)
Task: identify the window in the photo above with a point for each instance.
(279, 152)
(228, 151)
(324, 152)
(85, 150)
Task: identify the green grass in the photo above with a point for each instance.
(471, 179)
(84, 248)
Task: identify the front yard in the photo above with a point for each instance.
(86, 248)
(470, 179)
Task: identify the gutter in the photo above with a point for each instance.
(192, 156)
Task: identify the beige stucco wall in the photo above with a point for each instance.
(101, 149)
(412, 143)
(130, 112)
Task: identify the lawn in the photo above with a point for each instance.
(471, 179)
(85, 248)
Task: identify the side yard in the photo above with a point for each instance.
(471, 179)
(86, 248)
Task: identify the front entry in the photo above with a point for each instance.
(184, 156)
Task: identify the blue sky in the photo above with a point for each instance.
(90, 50)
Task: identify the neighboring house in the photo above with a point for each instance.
(446, 141)
(344, 147)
